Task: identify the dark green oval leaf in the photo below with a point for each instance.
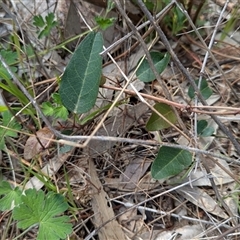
(80, 81)
(144, 72)
(205, 90)
(170, 162)
(203, 130)
(207, 132)
(201, 125)
(155, 122)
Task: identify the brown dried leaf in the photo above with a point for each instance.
(33, 146)
(50, 169)
(129, 219)
(116, 126)
(201, 199)
(103, 211)
(134, 171)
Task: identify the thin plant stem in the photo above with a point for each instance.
(186, 73)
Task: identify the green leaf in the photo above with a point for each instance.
(149, 5)
(203, 130)
(205, 90)
(3, 109)
(155, 122)
(56, 98)
(201, 125)
(178, 21)
(144, 72)
(38, 21)
(49, 19)
(170, 162)
(43, 33)
(7, 121)
(41, 210)
(61, 112)
(12, 88)
(10, 58)
(55, 109)
(48, 108)
(80, 81)
(29, 50)
(9, 197)
(45, 26)
(96, 113)
(110, 6)
(207, 132)
(104, 23)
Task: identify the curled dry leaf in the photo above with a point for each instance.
(33, 145)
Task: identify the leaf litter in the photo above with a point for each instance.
(122, 172)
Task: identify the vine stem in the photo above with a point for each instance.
(184, 71)
(182, 107)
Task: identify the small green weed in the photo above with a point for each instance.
(56, 108)
(103, 21)
(231, 24)
(44, 26)
(35, 208)
(10, 58)
(9, 123)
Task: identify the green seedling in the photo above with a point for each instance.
(44, 26)
(103, 21)
(33, 208)
(79, 88)
(8, 128)
(10, 58)
(56, 108)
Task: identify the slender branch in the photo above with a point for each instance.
(218, 196)
(72, 141)
(186, 73)
(143, 25)
(151, 64)
(226, 233)
(182, 107)
(133, 206)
